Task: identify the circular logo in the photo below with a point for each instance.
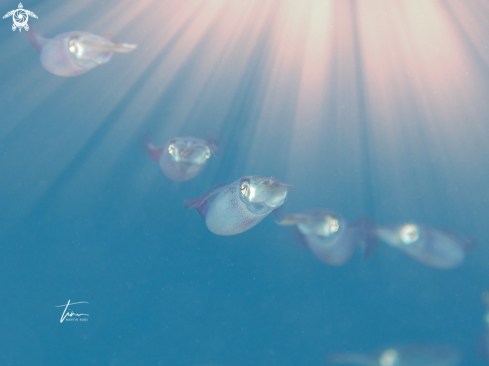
(20, 18)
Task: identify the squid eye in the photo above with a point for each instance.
(409, 234)
(334, 226)
(331, 225)
(171, 149)
(245, 186)
(72, 47)
(208, 154)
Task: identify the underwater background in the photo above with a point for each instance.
(373, 108)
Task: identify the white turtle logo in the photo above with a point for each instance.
(20, 16)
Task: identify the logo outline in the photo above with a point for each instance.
(20, 17)
(70, 314)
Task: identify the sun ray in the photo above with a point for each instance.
(308, 89)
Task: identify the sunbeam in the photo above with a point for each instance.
(244, 182)
(348, 87)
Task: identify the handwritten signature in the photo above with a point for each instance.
(70, 313)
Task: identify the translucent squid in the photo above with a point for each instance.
(328, 235)
(182, 158)
(230, 209)
(406, 355)
(435, 248)
(75, 53)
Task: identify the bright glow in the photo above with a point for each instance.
(314, 75)
(389, 357)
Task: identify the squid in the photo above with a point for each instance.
(182, 158)
(75, 53)
(406, 355)
(230, 209)
(435, 248)
(329, 236)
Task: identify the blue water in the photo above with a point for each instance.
(85, 216)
